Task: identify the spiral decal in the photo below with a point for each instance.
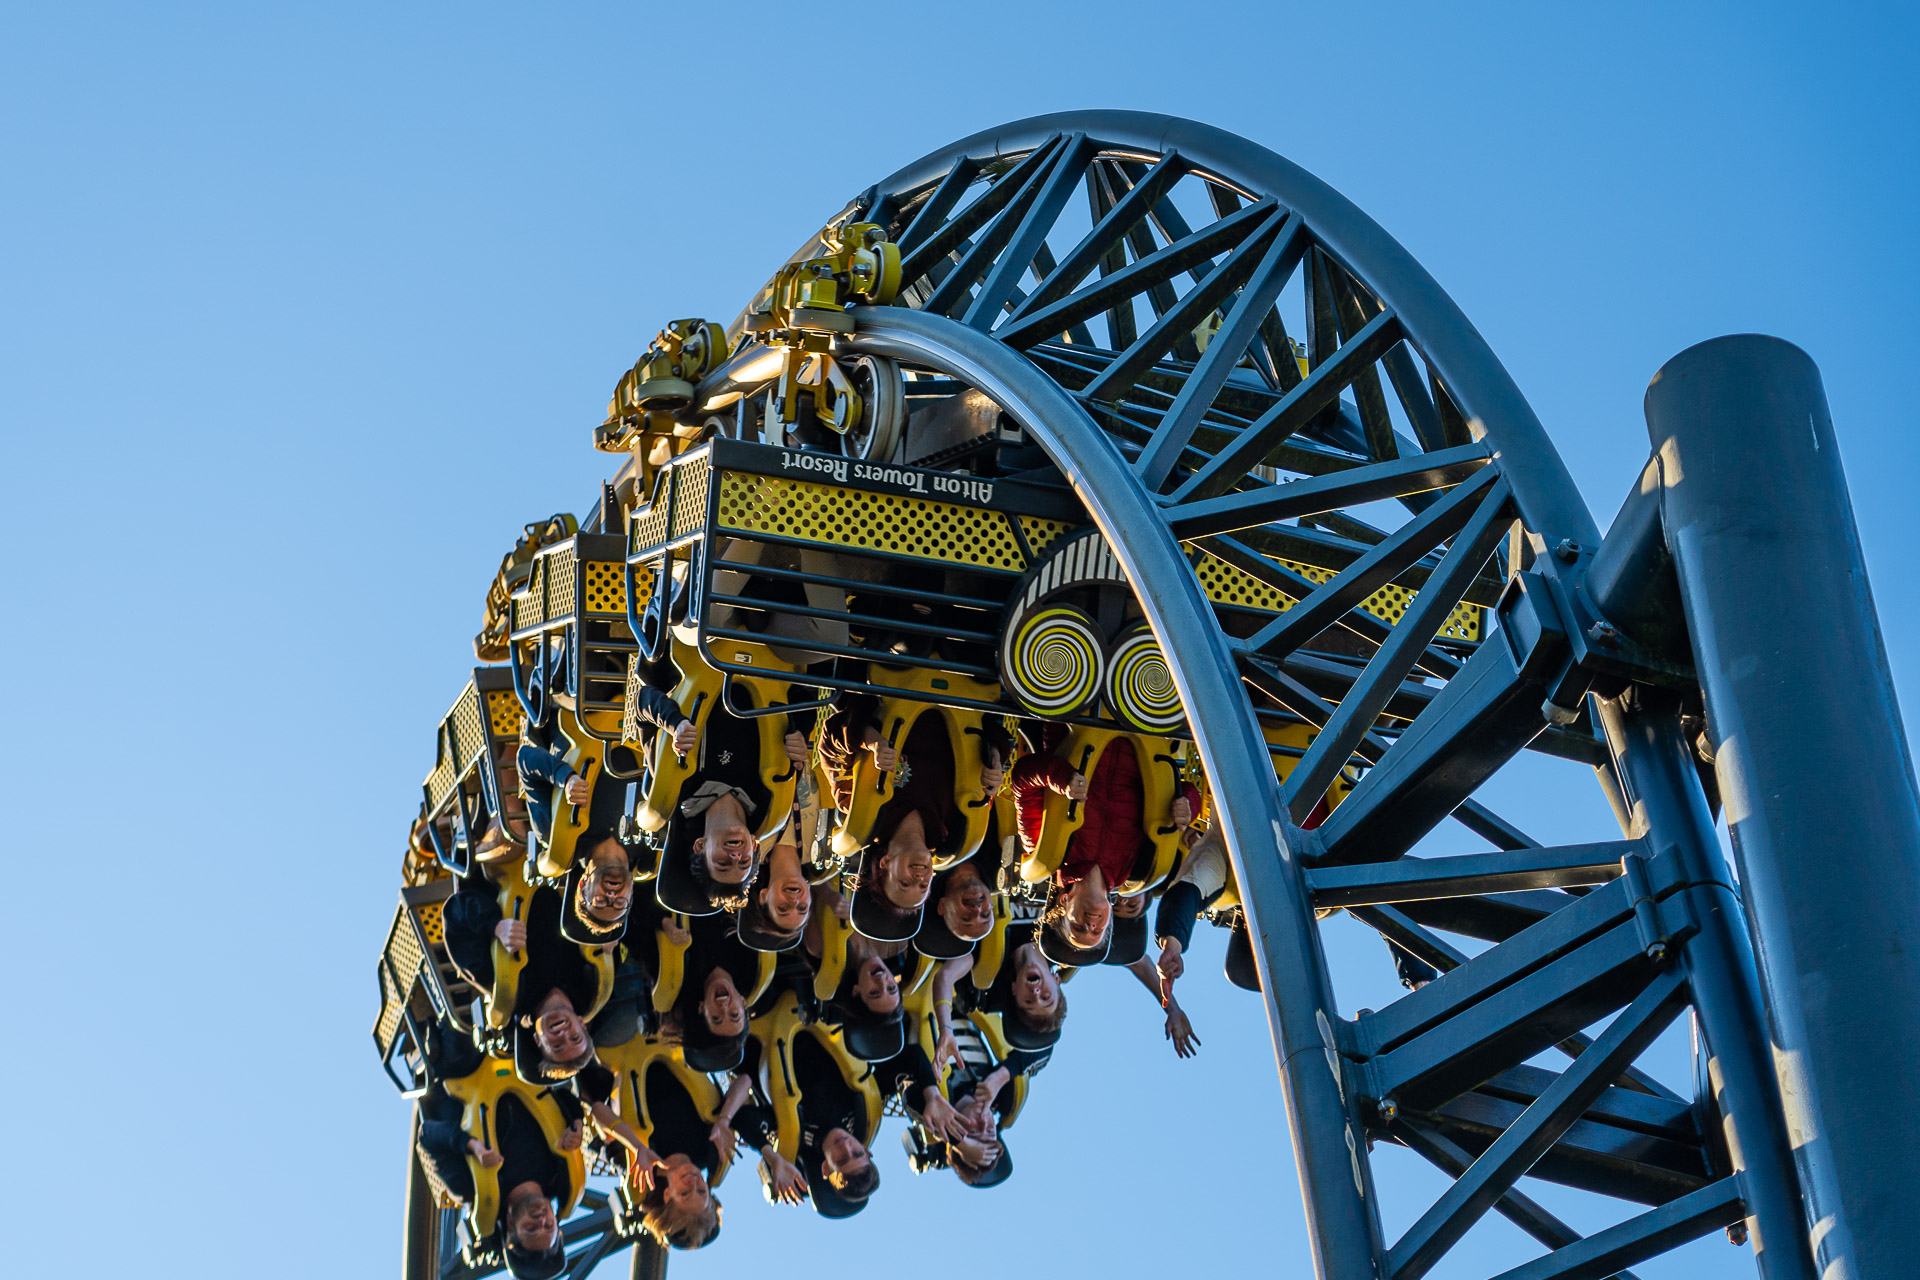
(1139, 685)
(1053, 661)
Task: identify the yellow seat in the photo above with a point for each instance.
(481, 1093)
(586, 755)
(630, 1063)
(872, 789)
(697, 694)
(777, 1030)
(671, 975)
(1294, 739)
(1162, 764)
(515, 897)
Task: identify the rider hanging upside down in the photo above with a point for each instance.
(917, 823)
(1104, 853)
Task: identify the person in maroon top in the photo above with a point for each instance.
(1104, 853)
(917, 823)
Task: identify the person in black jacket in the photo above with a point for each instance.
(540, 765)
(712, 855)
(834, 1133)
(1026, 993)
(556, 982)
(532, 1176)
(688, 1150)
(710, 1012)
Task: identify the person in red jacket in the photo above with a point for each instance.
(1104, 853)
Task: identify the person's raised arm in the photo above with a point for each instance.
(945, 1049)
(1179, 1028)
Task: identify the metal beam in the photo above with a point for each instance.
(1469, 875)
(1328, 1147)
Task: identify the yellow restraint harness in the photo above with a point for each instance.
(630, 1063)
(673, 963)
(872, 789)
(481, 1093)
(1161, 762)
(777, 1029)
(697, 694)
(515, 897)
(586, 755)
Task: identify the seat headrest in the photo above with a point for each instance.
(1127, 941)
(577, 926)
(871, 915)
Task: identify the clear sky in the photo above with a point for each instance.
(304, 310)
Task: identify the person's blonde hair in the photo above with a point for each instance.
(677, 1227)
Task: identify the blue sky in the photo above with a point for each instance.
(308, 308)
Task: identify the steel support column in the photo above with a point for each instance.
(1329, 1149)
(1813, 765)
(1668, 805)
(420, 1245)
(649, 1260)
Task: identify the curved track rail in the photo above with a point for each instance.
(1338, 514)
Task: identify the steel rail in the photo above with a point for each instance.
(1334, 1179)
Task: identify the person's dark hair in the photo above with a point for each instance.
(858, 1185)
(677, 1227)
(699, 1045)
(524, 1264)
(727, 897)
(756, 926)
(1045, 1022)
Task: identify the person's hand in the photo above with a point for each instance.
(1171, 965)
(1182, 812)
(686, 738)
(721, 1135)
(511, 934)
(1077, 789)
(570, 1140)
(946, 1049)
(486, 1155)
(675, 930)
(886, 756)
(796, 748)
(641, 1167)
(990, 780)
(577, 790)
(982, 1099)
(842, 909)
(940, 1117)
(785, 1184)
(1180, 1031)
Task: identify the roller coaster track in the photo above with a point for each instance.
(1233, 397)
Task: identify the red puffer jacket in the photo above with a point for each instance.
(1114, 829)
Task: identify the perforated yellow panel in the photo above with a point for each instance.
(468, 741)
(1225, 584)
(690, 497)
(605, 588)
(900, 526)
(525, 610)
(649, 528)
(404, 959)
(503, 714)
(1041, 534)
(558, 581)
(428, 914)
